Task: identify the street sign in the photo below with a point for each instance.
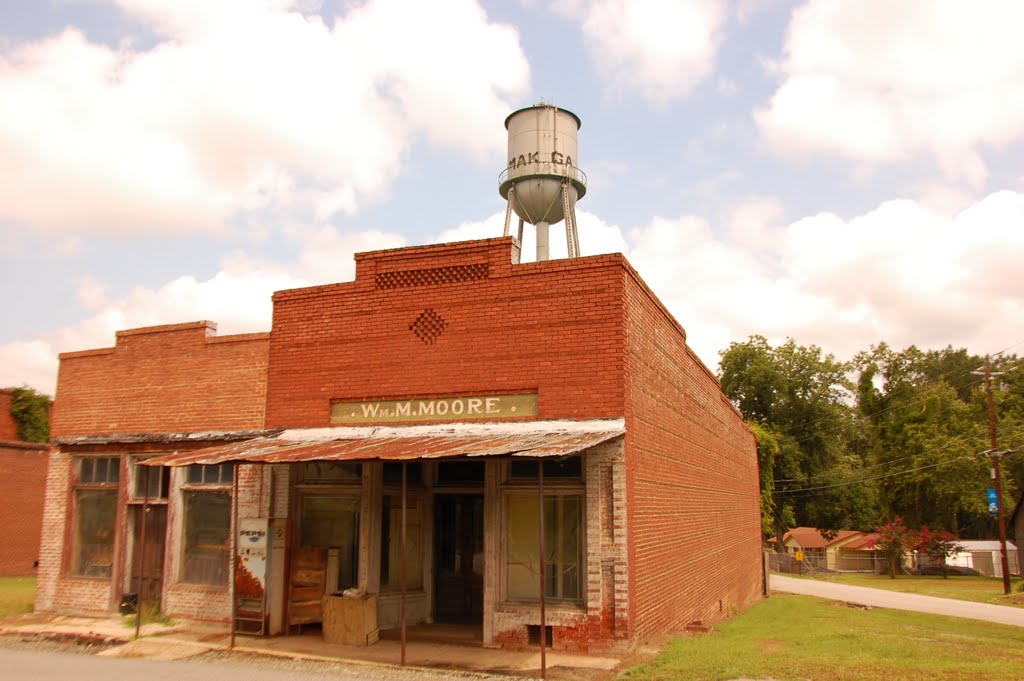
(993, 502)
(800, 556)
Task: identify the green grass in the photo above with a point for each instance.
(800, 637)
(963, 588)
(16, 595)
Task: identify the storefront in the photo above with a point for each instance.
(512, 406)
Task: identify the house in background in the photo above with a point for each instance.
(847, 551)
(984, 556)
(22, 489)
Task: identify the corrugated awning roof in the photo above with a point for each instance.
(524, 439)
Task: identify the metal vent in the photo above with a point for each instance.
(533, 635)
(429, 326)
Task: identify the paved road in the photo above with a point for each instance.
(17, 663)
(900, 601)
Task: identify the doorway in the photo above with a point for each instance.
(151, 555)
(459, 558)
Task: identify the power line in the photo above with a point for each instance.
(876, 477)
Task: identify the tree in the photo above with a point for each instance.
(31, 413)
(893, 540)
(926, 416)
(938, 545)
(799, 397)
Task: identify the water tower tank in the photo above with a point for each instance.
(542, 180)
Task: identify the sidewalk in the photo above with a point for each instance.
(188, 639)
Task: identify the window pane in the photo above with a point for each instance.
(210, 474)
(562, 543)
(331, 471)
(393, 473)
(99, 470)
(207, 531)
(157, 478)
(95, 513)
(391, 544)
(460, 472)
(85, 471)
(571, 468)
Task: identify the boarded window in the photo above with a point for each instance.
(95, 515)
(391, 543)
(332, 522)
(207, 534)
(563, 543)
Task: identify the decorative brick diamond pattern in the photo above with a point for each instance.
(429, 326)
(434, 275)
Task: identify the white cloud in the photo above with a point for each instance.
(659, 49)
(904, 272)
(238, 298)
(243, 105)
(880, 81)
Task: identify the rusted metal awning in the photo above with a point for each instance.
(535, 439)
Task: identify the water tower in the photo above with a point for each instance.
(543, 182)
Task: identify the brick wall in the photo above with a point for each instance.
(554, 327)
(175, 378)
(178, 378)
(8, 426)
(692, 481)
(21, 514)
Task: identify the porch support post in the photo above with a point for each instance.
(540, 515)
(233, 550)
(404, 558)
(140, 551)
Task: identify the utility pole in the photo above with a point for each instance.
(996, 455)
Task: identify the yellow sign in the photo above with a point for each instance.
(474, 408)
(800, 556)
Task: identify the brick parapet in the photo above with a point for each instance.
(178, 377)
(554, 328)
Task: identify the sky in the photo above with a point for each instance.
(842, 173)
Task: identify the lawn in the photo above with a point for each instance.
(964, 588)
(800, 637)
(16, 595)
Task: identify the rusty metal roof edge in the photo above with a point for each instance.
(459, 429)
(138, 438)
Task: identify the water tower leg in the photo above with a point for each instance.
(520, 230)
(572, 236)
(508, 217)
(542, 242)
(508, 211)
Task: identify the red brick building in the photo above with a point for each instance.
(470, 372)
(22, 483)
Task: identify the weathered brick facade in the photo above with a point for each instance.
(22, 481)
(672, 529)
(157, 385)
